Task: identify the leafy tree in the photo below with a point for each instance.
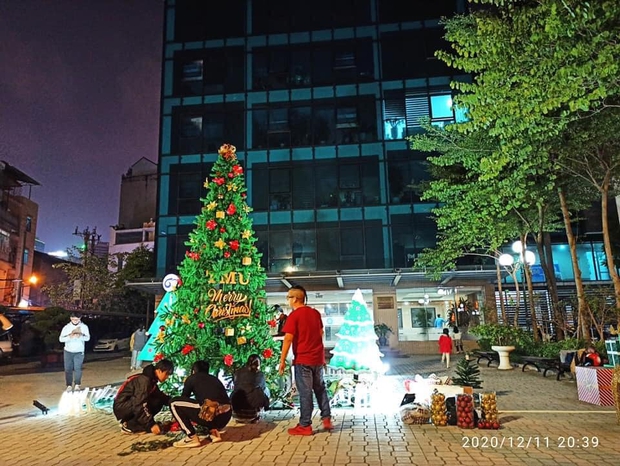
(89, 281)
(48, 324)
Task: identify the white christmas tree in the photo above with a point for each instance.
(156, 329)
(356, 349)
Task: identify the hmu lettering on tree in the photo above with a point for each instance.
(228, 304)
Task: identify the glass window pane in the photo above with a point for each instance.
(441, 106)
(303, 186)
(326, 183)
(304, 249)
(300, 124)
(328, 249)
(324, 125)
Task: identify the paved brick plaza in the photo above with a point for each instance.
(543, 423)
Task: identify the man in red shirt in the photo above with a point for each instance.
(304, 330)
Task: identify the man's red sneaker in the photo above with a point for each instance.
(327, 424)
(300, 430)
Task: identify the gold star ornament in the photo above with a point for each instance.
(211, 205)
(220, 244)
(246, 234)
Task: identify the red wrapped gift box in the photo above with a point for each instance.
(594, 385)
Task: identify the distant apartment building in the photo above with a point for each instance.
(18, 226)
(137, 208)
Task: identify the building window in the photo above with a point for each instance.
(28, 223)
(395, 11)
(203, 129)
(406, 172)
(186, 188)
(198, 20)
(403, 112)
(420, 61)
(345, 61)
(210, 71)
(26, 256)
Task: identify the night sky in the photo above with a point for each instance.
(79, 104)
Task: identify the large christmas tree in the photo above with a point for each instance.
(220, 314)
(356, 349)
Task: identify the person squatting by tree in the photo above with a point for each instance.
(250, 395)
(210, 395)
(139, 399)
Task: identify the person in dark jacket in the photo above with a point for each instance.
(186, 409)
(139, 399)
(250, 394)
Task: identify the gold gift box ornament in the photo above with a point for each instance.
(229, 332)
(246, 261)
(241, 341)
(220, 214)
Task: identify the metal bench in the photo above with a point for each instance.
(547, 364)
(490, 356)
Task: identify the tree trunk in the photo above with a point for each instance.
(582, 304)
(546, 263)
(607, 241)
(518, 297)
(502, 304)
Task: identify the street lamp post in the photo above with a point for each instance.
(525, 259)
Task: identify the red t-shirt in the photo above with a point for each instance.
(306, 326)
(445, 344)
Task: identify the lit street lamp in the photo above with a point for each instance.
(525, 258)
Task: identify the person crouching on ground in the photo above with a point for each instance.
(139, 399)
(209, 391)
(250, 395)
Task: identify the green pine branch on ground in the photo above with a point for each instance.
(468, 374)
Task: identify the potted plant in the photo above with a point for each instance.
(48, 324)
(500, 338)
(383, 331)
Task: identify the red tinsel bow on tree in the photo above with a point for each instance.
(272, 323)
(267, 353)
(187, 349)
(228, 359)
(231, 209)
(192, 255)
(219, 181)
(211, 224)
(237, 169)
(158, 357)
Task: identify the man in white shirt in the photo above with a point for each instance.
(73, 335)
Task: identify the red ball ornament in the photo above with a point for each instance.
(234, 245)
(158, 357)
(226, 254)
(228, 360)
(211, 224)
(231, 175)
(267, 353)
(187, 349)
(231, 209)
(201, 325)
(272, 323)
(244, 195)
(222, 230)
(162, 328)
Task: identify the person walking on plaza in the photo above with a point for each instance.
(139, 399)
(304, 331)
(138, 340)
(457, 337)
(73, 335)
(445, 346)
(187, 410)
